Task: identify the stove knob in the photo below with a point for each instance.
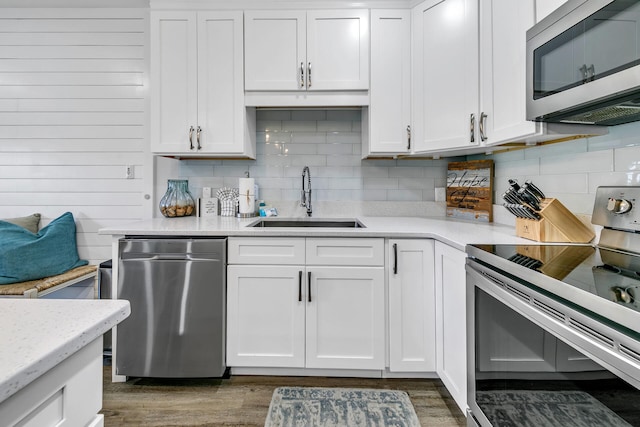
(618, 206)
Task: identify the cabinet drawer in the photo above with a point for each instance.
(266, 250)
(367, 252)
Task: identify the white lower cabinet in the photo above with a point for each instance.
(345, 318)
(451, 321)
(411, 306)
(266, 316)
(68, 395)
(311, 315)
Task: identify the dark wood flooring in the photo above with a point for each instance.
(244, 400)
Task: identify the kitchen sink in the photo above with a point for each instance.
(308, 222)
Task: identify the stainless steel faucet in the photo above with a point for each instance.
(305, 198)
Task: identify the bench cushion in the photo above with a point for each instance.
(27, 256)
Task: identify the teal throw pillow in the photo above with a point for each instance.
(28, 256)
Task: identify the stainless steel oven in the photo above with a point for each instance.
(555, 329)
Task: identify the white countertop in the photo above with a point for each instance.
(38, 334)
(456, 233)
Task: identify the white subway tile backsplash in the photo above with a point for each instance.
(405, 195)
(273, 115)
(598, 179)
(381, 183)
(419, 183)
(334, 126)
(269, 125)
(559, 149)
(354, 138)
(304, 125)
(627, 159)
(334, 194)
(406, 172)
(335, 149)
(344, 115)
(336, 171)
(511, 169)
(329, 142)
(374, 194)
(565, 183)
(344, 160)
(308, 115)
(301, 137)
(596, 161)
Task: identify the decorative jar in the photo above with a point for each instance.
(177, 201)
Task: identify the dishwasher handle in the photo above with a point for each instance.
(168, 257)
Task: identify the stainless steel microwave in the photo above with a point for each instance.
(583, 64)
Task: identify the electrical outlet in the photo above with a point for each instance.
(441, 194)
(129, 172)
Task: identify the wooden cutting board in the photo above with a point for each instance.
(470, 190)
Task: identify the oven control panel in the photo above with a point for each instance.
(617, 207)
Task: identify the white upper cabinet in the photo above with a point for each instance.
(320, 50)
(469, 76)
(197, 96)
(389, 114)
(503, 26)
(445, 83)
(275, 50)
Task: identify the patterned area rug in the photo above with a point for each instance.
(323, 407)
(534, 408)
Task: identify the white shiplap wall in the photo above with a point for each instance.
(73, 115)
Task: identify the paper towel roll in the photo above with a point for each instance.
(247, 198)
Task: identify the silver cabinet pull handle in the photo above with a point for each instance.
(309, 284)
(198, 131)
(302, 75)
(472, 128)
(309, 74)
(408, 137)
(483, 121)
(190, 137)
(395, 258)
(300, 286)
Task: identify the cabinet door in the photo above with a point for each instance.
(503, 28)
(451, 321)
(220, 83)
(345, 318)
(174, 77)
(265, 316)
(275, 50)
(411, 306)
(338, 49)
(390, 93)
(445, 75)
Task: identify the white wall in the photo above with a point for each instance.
(73, 114)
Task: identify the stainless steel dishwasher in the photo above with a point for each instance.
(177, 291)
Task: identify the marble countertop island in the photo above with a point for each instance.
(456, 233)
(39, 334)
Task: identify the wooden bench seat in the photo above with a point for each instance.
(47, 285)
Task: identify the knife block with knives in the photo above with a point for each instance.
(543, 219)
